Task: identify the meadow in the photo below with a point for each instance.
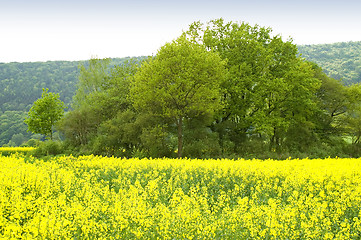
(92, 197)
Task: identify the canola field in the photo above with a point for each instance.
(12, 150)
(92, 197)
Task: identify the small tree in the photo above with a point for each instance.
(44, 113)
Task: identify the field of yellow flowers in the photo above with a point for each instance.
(11, 150)
(92, 197)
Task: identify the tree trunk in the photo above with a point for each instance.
(51, 132)
(272, 144)
(180, 136)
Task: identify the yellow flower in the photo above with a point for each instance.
(110, 198)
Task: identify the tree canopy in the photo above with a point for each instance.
(181, 82)
(269, 87)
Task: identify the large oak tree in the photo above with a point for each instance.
(269, 87)
(181, 82)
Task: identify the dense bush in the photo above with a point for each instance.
(47, 148)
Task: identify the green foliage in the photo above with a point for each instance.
(338, 60)
(12, 124)
(201, 141)
(45, 113)
(22, 83)
(91, 78)
(32, 143)
(268, 86)
(221, 89)
(181, 82)
(102, 109)
(119, 136)
(47, 148)
(17, 139)
(79, 125)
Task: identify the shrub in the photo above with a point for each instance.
(48, 148)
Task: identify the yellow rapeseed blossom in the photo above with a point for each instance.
(92, 197)
(12, 150)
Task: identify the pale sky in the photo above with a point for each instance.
(35, 30)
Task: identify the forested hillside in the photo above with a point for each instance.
(338, 60)
(22, 83)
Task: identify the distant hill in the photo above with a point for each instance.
(21, 84)
(339, 60)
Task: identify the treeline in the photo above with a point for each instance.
(339, 60)
(22, 83)
(219, 90)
